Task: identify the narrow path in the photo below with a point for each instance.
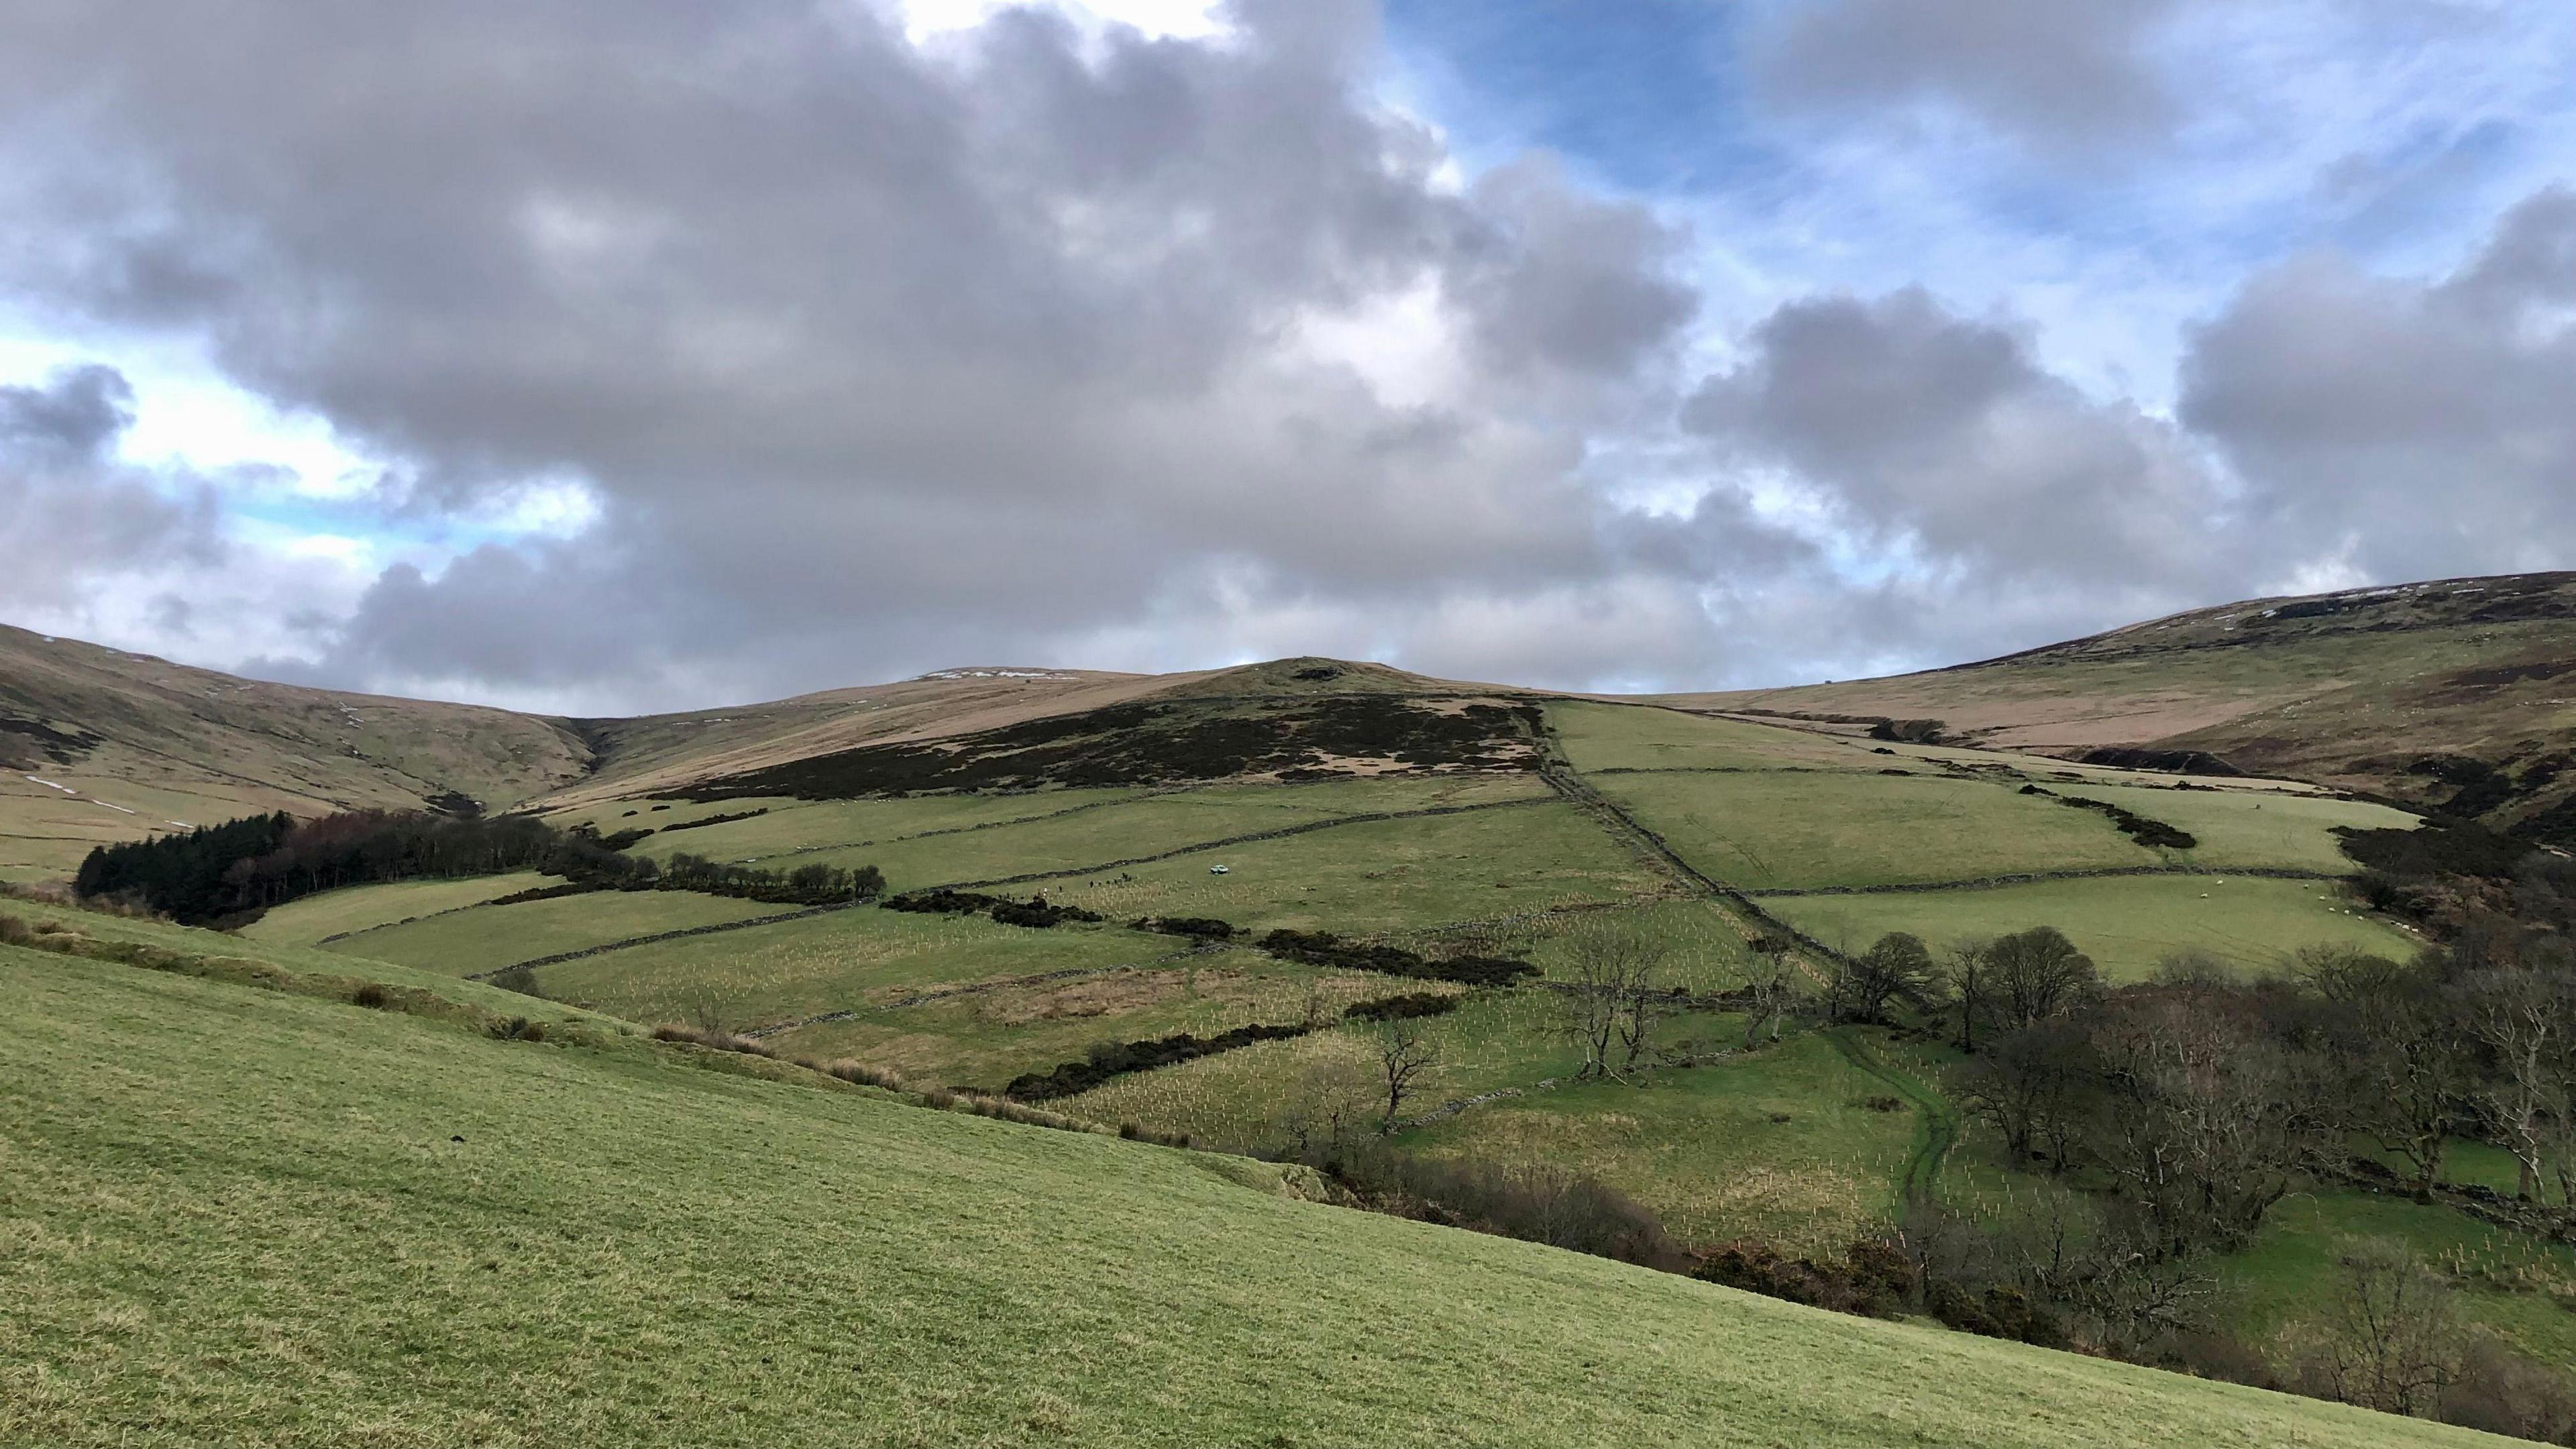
(1936, 1128)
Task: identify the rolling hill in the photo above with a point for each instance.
(238, 1208)
(2458, 695)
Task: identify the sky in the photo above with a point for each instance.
(610, 356)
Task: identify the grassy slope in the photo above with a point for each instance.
(363, 908)
(2125, 924)
(487, 938)
(2350, 696)
(249, 1218)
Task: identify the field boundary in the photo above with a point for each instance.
(605, 947)
(1204, 846)
(2039, 877)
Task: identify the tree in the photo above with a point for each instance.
(2391, 1340)
(1897, 968)
(1327, 1109)
(2032, 1086)
(2037, 974)
(1767, 990)
(1611, 1004)
(2204, 1118)
(2402, 1051)
(1404, 1053)
(2523, 1018)
(1971, 985)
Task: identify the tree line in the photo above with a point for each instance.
(228, 874)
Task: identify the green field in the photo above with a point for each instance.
(254, 1218)
(2125, 923)
(842, 959)
(1805, 829)
(360, 908)
(1633, 737)
(1382, 875)
(487, 938)
(2241, 828)
(1157, 823)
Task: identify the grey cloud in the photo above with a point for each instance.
(1942, 434)
(2056, 72)
(2405, 429)
(75, 516)
(840, 331)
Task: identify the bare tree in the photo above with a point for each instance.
(2038, 974)
(1769, 990)
(1897, 968)
(1328, 1108)
(2403, 1050)
(2524, 1019)
(2392, 1340)
(1404, 1053)
(1971, 985)
(1610, 1004)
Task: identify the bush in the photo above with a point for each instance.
(1110, 1059)
(712, 1038)
(1875, 1281)
(370, 995)
(1323, 948)
(1536, 1203)
(1398, 1008)
(519, 1028)
(1205, 928)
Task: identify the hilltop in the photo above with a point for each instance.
(2458, 695)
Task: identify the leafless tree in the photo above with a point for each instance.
(1897, 967)
(2524, 1018)
(1329, 1107)
(2403, 1050)
(2037, 974)
(1611, 1002)
(1404, 1053)
(1970, 981)
(2392, 1340)
(1770, 988)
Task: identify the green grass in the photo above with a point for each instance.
(986, 1037)
(2241, 829)
(359, 908)
(248, 1218)
(794, 825)
(1157, 823)
(1382, 876)
(1810, 829)
(1632, 737)
(841, 960)
(1776, 1146)
(2523, 1290)
(487, 938)
(2125, 923)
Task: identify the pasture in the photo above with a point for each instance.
(255, 1218)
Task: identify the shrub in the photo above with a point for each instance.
(864, 1075)
(1875, 1281)
(519, 1028)
(370, 995)
(1397, 1008)
(712, 1038)
(1205, 928)
(1323, 948)
(1536, 1203)
(1110, 1059)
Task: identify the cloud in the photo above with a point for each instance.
(77, 517)
(2405, 428)
(2053, 72)
(1942, 441)
(889, 348)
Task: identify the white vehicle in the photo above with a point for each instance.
(1216, 870)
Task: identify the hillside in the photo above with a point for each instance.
(97, 745)
(271, 1217)
(2458, 695)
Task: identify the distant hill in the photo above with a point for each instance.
(2457, 695)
